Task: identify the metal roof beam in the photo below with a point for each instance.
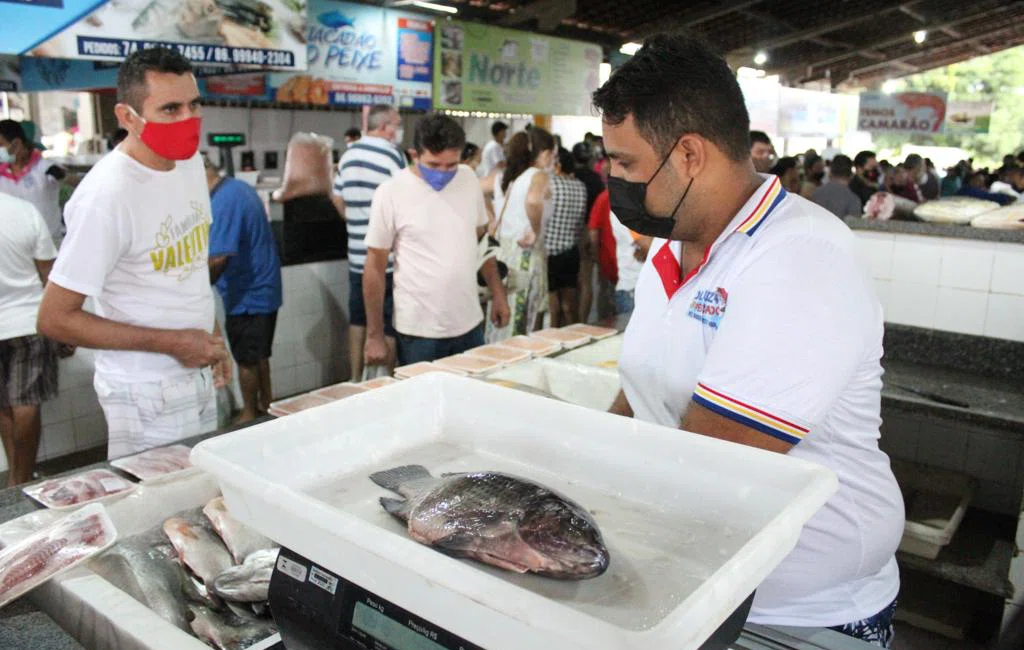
(692, 19)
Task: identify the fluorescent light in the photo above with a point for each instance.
(761, 58)
(890, 86)
(604, 70)
(630, 48)
(433, 6)
(920, 36)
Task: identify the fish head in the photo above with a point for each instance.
(566, 541)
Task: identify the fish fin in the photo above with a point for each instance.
(393, 479)
(398, 507)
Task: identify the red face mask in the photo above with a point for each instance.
(171, 140)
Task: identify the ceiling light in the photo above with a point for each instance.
(761, 58)
(890, 86)
(920, 36)
(630, 48)
(433, 6)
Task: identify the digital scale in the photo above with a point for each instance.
(225, 142)
(316, 609)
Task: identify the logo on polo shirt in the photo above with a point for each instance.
(708, 306)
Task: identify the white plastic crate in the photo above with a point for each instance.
(693, 524)
(602, 354)
(936, 501)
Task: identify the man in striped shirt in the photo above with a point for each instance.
(367, 163)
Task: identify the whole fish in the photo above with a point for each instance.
(198, 547)
(241, 540)
(228, 631)
(248, 582)
(498, 519)
(146, 573)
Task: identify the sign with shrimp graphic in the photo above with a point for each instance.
(910, 112)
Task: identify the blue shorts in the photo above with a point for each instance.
(357, 306)
(878, 630)
(413, 349)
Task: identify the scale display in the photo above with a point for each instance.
(225, 139)
(393, 633)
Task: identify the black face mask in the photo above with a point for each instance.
(627, 202)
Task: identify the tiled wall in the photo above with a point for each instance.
(995, 458)
(310, 350)
(958, 285)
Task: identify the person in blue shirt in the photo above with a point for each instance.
(245, 268)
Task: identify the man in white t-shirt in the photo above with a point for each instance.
(493, 156)
(432, 216)
(754, 323)
(138, 232)
(28, 362)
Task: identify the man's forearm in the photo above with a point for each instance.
(373, 296)
(493, 279)
(80, 328)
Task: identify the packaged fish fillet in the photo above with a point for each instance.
(594, 331)
(535, 346)
(567, 338)
(422, 368)
(79, 489)
(468, 364)
(501, 353)
(296, 404)
(155, 463)
(339, 391)
(379, 382)
(60, 546)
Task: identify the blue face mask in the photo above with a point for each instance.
(436, 178)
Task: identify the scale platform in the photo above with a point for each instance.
(317, 610)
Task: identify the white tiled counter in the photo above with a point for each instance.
(958, 285)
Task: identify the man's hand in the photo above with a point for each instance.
(222, 373)
(528, 239)
(500, 314)
(375, 352)
(198, 348)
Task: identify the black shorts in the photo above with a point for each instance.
(564, 269)
(251, 337)
(28, 371)
(357, 306)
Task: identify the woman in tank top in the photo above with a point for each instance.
(523, 202)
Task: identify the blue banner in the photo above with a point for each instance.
(118, 48)
(27, 24)
(66, 74)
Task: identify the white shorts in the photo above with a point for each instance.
(143, 415)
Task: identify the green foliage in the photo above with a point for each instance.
(996, 77)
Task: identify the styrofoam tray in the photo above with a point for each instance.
(468, 364)
(595, 332)
(693, 524)
(594, 388)
(148, 475)
(498, 352)
(422, 368)
(568, 339)
(536, 347)
(114, 487)
(936, 502)
(296, 404)
(602, 354)
(339, 391)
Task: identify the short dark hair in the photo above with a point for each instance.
(131, 77)
(353, 133)
(783, 165)
(913, 161)
(566, 160)
(469, 151)
(674, 85)
(760, 136)
(862, 158)
(438, 132)
(842, 167)
(12, 130)
(810, 160)
(498, 127)
(582, 153)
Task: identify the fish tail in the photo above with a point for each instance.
(393, 479)
(396, 507)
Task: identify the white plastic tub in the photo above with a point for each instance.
(594, 388)
(693, 524)
(602, 354)
(936, 501)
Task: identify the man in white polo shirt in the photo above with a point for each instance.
(432, 216)
(754, 323)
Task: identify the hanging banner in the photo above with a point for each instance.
(252, 86)
(969, 117)
(264, 33)
(66, 74)
(492, 69)
(10, 74)
(808, 113)
(27, 23)
(762, 99)
(910, 112)
(359, 54)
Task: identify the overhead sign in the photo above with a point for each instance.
(483, 68)
(10, 74)
(808, 113)
(909, 112)
(360, 54)
(66, 74)
(26, 23)
(969, 117)
(265, 33)
(762, 99)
